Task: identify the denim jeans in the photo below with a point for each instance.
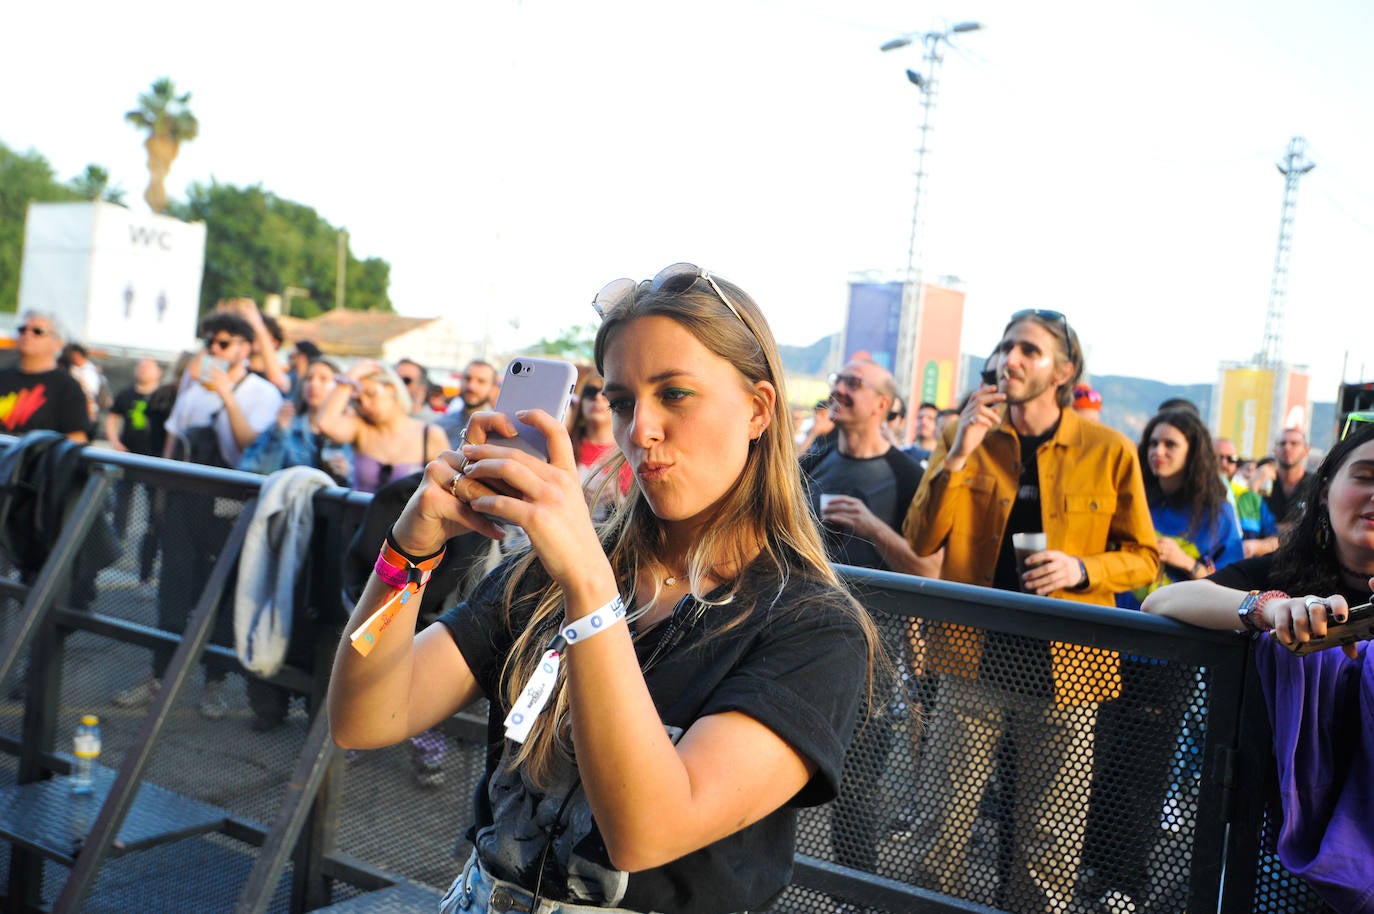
(476, 891)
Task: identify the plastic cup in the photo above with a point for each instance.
(1025, 545)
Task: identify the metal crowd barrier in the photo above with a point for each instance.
(232, 815)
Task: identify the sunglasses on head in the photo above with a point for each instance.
(32, 330)
(674, 279)
(1049, 316)
(1354, 421)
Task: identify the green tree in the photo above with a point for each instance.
(573, 343)
(94, 184)
(169, 123)
(25, 177)
(257, 243)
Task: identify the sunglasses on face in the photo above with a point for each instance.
(1052, 317)
(852, 381)
(220, 342)
(674, 279)
(408, 380)
(32, 330)
(590, 392)
(1231, 460)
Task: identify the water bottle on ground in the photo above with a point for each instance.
(86, 748)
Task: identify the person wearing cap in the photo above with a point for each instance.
(1087, 403)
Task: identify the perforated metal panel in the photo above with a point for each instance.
(963, 739)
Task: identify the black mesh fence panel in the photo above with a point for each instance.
(1003, 770)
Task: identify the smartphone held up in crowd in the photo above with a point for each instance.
(532, 383)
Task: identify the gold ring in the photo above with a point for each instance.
(453, 485)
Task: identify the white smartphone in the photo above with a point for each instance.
(533, 383)
(209, 363)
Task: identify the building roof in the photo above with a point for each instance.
(344, 332)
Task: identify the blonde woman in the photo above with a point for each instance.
(665, 771)
(387, 441)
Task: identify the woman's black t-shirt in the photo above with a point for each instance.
(797, 663)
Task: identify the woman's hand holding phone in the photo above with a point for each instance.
(544, 498)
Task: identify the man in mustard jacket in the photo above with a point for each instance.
(1020, 460)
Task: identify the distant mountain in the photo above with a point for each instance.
(807, 361)
(1128, 403)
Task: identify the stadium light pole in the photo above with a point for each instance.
(909, 324)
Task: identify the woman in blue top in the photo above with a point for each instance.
(1137, 734)
(1197, 528)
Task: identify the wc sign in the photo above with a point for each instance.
(114, 276)
(148, 236)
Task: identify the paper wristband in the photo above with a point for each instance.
(394, 570)
(536, 693)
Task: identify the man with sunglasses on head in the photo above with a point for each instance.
(36, 393)
(1020, 460)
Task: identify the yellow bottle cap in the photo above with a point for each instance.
(90, 720)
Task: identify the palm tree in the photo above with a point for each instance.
(169, 123)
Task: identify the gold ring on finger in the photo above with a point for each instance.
(453, 485)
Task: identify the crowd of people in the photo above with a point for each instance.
(686, 520)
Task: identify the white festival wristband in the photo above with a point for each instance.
(536, 693)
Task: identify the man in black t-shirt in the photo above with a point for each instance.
(862, 485)
(1290, 487)
(36, 393)
(129, 428)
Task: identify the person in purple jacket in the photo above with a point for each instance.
(1320, 704)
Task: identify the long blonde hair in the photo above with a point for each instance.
(764, 517)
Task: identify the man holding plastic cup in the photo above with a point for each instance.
(1019, 461)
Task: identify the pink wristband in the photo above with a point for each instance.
(389, 574)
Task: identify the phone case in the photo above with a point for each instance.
(1358, 626)
(533, 383)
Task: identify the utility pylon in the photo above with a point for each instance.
(1293, 167)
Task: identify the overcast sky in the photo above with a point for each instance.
(1113, 161)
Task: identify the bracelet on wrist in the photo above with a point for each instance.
(1251, 610)
(536, 692)
(412, 559)
(402, 571)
